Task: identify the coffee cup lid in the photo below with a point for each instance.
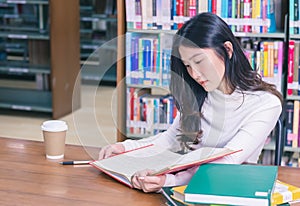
(54, 126)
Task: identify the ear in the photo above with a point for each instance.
(229, 48)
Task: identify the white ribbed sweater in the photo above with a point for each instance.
(234, 121)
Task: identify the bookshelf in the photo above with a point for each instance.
(40, 56)
(280, 32)
(98, 25)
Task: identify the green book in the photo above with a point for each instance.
(232, 184)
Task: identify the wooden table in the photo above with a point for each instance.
(28, 178)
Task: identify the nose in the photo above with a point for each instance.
(195, 74)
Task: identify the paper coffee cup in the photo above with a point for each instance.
(54, 133)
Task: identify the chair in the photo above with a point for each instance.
(279, 142)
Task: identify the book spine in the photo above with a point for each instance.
(138, 15)
(264, 15)
(209, 5)
(290, 67)
(174, 17)
(296, 16)
(239, 28)
(135, 60)
(192, 8)
(289, 123)
(271, 16)
(233, 14)
(130, 6)
(247, 14)
(265, 51)
(224, 9)
(128, 57)
(296, 66)
(180, 12)
(159, 14)
(229, 10)
(271, 59)
(154, 14)
(256, 15)
(291, 16)
(295, 124)
(280, 58)
(155, 68)
(131, 109)
(166, 15)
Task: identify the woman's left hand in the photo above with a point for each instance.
(144, 181)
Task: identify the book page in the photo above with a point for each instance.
(152, 157)
(201, 154)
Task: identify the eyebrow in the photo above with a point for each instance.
(198, 54)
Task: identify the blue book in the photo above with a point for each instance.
(224, 9)
(134, 59)
(292, 15)
(232, 184)
(147, 60)
(271, 16)
(166, 69)
(209, 7)
(173, 14)
(128, 57)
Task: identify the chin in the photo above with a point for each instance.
(209, 89)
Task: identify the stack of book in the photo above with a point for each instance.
(230, 184)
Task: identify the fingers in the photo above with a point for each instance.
(141, 180)
(109, 150)
(137, 177)
(105, 152)
(135, 182)
(150, 183)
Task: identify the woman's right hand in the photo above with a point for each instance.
(110, 150)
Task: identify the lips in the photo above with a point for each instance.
(202, 83)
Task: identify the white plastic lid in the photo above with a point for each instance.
(54, 126)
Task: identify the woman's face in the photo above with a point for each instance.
(205, 67)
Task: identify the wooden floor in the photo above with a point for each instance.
(92, 125)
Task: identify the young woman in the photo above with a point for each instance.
(222, 101)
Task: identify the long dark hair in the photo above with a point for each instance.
(207, 30)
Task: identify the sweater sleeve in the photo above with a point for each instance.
(252, 135)
(165, 139)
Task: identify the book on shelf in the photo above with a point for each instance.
(148, 59)
(162, 161)
(134, 107)
(148, 114)
(295, 124)
(296, 70)
(289, 110)
(257, 16)
(232, 184)
(292, 124)
(290, 72)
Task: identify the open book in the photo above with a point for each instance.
(123, 166)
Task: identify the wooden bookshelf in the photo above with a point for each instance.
(281, 34)
(121, 71)
(98, 50)
(65, 66)
(53, 59)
